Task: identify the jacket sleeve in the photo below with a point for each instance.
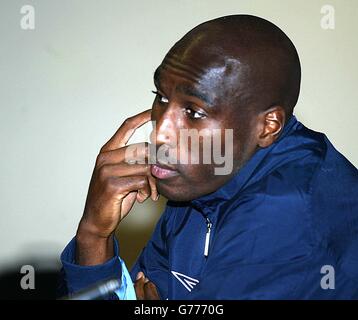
(74, 278)
(153, 260)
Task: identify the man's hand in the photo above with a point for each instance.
(115, 186)
(145, 289)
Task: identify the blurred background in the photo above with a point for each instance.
(67, 85)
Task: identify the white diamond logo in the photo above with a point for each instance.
(188, 282)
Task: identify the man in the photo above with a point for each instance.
(282, 224)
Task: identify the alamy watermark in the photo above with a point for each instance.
(191, 146)
(28, 280)
(27, 20)
(328, 280)
(328, 20)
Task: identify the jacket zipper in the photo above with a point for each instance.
(207, 236)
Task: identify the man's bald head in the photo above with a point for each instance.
(238, 74)
(260, 64)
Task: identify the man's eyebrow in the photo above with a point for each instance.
(184, 89)
(191, 91)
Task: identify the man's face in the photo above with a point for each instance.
(199, 99)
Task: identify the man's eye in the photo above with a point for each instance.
(161, 98)
(194, 114)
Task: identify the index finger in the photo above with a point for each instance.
(126, 130)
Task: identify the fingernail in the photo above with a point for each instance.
(140, 275)
(157, 197)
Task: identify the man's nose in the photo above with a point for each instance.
(165, 129)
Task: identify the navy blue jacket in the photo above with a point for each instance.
(284, 227)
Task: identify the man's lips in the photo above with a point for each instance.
(161, 171)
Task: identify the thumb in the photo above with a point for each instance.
(127, 203)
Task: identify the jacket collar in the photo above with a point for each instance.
(252, 171)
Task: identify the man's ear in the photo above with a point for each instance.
(271, 123)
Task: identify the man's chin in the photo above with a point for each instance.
(174, 193)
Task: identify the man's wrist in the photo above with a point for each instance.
(92, 249)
